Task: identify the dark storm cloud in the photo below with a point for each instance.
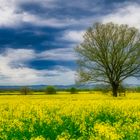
(36, 38)
(30, 36)
(74, 9)
(50, 64)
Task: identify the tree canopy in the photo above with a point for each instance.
(109, 53)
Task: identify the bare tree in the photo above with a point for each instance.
(109, 53)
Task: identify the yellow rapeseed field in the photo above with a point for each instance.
(84, 116)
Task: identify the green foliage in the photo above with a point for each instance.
(50, 90)
(25, 90)
(138, 89)
(133, 89)
(73, 90)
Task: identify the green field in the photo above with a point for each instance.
(64, 116)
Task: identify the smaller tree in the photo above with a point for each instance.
(25, 90)
(73, 90)
(50, 90)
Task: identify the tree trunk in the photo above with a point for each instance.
(115, 89)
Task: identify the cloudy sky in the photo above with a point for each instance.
(37, 37)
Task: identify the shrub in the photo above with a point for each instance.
(73, 90)
(25, 90)
(50, 90)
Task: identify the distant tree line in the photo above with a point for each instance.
(51, 90)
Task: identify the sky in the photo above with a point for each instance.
(37, 37)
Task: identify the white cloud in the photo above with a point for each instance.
(74, 36)
(52, 22)
(24, 75)
(65, 77)
(12, 65)
(128, 14)
(61, 54)
(12, 16)
(8, 16)
(19, 54)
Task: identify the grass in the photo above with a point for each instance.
(64, 116)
